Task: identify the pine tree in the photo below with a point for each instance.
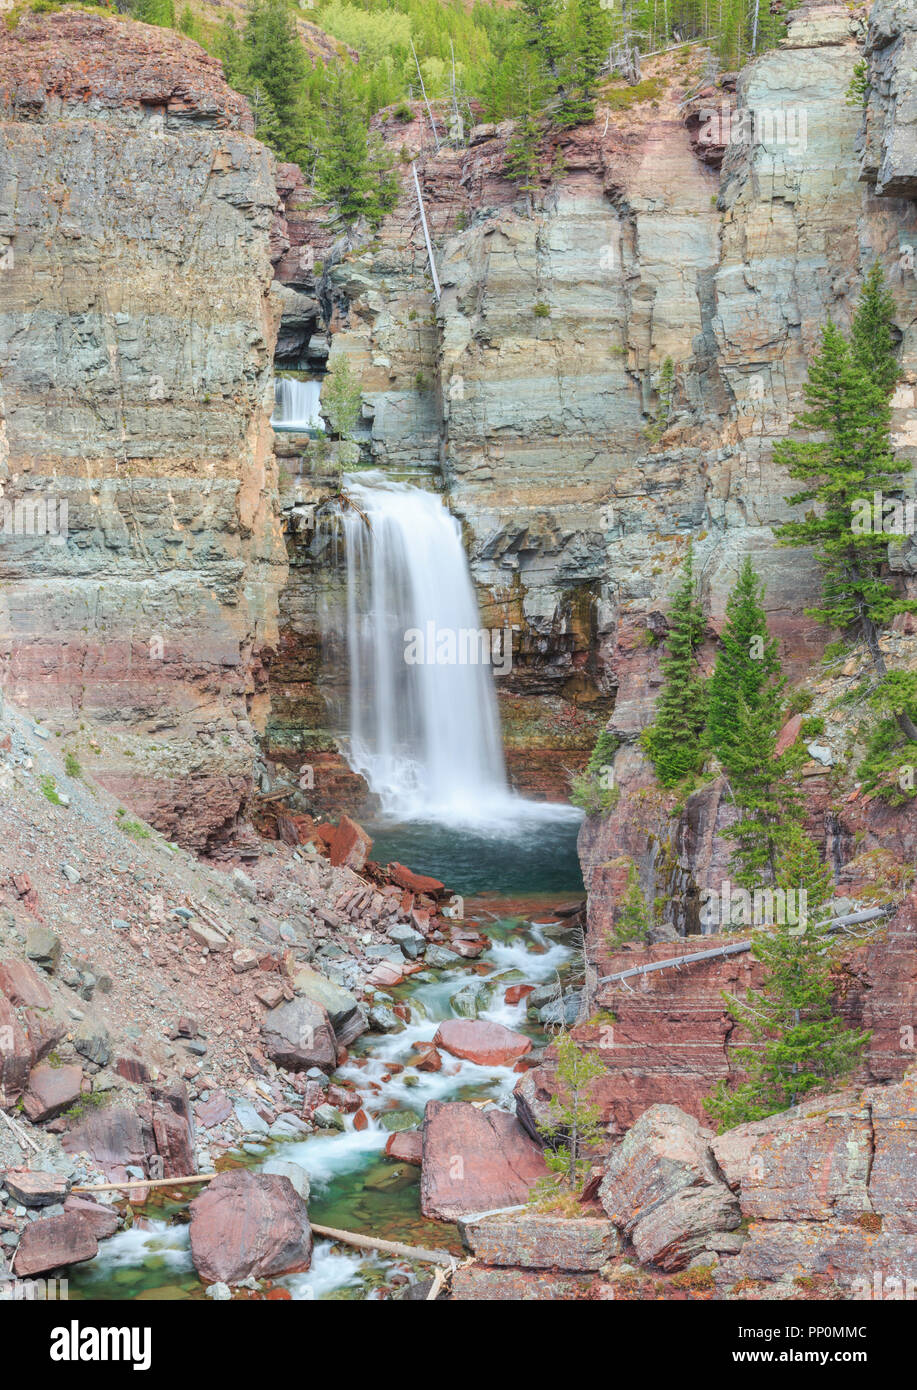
(230, 50)
(764, 791)
(846, 459)
(747, 664)
(633, 921)
(586, 38)
(353, 172)
(573, 1125)
(673, 740)
(802, 1045)
(276, 60)
(872, 335)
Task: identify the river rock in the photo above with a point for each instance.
(438, 958)
(247, 1225)
(406, 1146)
(286, 1168)
(53, 1242)
(34, 1188)
(342, 1007)
(411, 942)
(488, 1044)
(531, 1241)
(414, 883)
(298, 1035)
(103, 1221)
(662, 1188)
(474, 1160)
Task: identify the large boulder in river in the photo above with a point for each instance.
(249, 1225)
(488, 1044)
(475, 1160)
(53, 1242)
(663, 1189)
(298, 1035)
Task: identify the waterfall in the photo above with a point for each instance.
(425, 733)
(296, 404)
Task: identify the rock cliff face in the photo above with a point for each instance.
(531, 392)
(138, 335)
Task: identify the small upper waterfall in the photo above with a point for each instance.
(424, 727)
(296, 404)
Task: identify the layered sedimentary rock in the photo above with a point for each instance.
(138, 328)
(534, 391)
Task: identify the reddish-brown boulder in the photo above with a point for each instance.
(21, 985)
(114, 1138)
(516, 993)
(245, 1224)
(428, 1059)
(52, 1090)
(53, 1242)
(414, 883)
(351, 845)
(34, 1188)
(173, 1132)
(475, 1160)
(407, 1147)
(489, 1044)
(15, 1055)
(102, 1221)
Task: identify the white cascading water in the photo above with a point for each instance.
(426, 736)
(296, 404)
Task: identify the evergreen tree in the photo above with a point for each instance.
(747, 664)
(673, 740)
(353, 172)
(586, 37)
(573, 1125)
(276, 60)
(800, 1044)
(872, 333)
(159, 12)
(763, 789)
(844, 461)
(230, 50)
(633, 921)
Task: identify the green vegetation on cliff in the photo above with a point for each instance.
(673, 741)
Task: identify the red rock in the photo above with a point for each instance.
(351, 845)
(342, 1099)
(475, 1160)
(34, 1188)
(402, 1011)
(269, 995)
(132, 1069)
(488, 1044)
(470, 949)
(102, 1221)
(360, 1120)
(21, 985)
(214, 1110)
(44, 1031)
(51, 1091)
(420, 917)
(407, 1147)
(15, 1055)
(278, 1295)
(516, 993)
(428, 1060)
(788, 735)
(52, 1242)
(114, 1138)
(246, 1224)
(414, 883)
(325, 833)
(384, 975)
(173, 1131)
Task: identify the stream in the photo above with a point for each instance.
(510, 881)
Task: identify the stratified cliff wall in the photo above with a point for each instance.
(136, 349)
(532, 388)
